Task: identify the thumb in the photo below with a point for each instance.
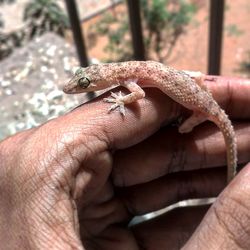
(227, 222)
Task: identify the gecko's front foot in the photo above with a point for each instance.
(117, 99)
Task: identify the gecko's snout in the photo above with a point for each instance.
(69, 88)
(66, 89)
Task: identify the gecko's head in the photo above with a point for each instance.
(82, 82)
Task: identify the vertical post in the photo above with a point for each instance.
(136, 29)
(77, 32)
(215, 36)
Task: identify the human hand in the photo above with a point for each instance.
(76, 181)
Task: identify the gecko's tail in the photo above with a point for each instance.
(225, 125)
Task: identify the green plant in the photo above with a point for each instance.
(233, 30)
(45, 15)
(163, 23)
(5, 39)
(7, 1)
(39, 16)
(245, 65)
(116, 28)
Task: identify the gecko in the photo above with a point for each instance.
(186, 88)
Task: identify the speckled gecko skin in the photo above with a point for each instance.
(179, 85)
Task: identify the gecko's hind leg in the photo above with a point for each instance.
(195, 119)
(198, 77)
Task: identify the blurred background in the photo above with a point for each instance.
(42, 42)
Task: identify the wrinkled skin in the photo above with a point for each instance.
(76, 181)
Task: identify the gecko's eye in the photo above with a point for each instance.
(83, 82)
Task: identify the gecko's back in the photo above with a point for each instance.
(176, 84)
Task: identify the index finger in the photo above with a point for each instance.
(142, 119)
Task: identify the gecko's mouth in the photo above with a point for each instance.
(69, 88)
(66, 89)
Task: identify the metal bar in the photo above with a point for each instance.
(77, 32)
(215, 36)
(136, 29)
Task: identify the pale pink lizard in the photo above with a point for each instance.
(179, 85)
